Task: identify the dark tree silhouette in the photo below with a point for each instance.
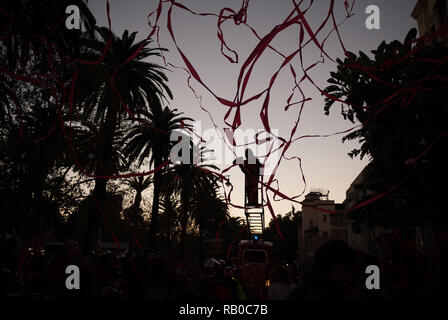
(150, 139)
(399, 95)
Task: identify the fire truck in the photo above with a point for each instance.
(255, 255)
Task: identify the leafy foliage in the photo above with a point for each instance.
(289, 224)
(399, 96)
(47, 144)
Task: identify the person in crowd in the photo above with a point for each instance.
(159, 279)
(359, 290)
(56, 271)
(87, 268)
(331, 276)
(280, 284)
(215, 286)
(292, 270)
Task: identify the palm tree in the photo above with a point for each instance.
(139, 184)
(151, 140)
(133, 214)
(140, 84)
(169, 222)
(25, 24)
(196, 187)
(209, 209)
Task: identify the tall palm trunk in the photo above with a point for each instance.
(201, 237)
(185, 201)
(103, 169)
(38, 210)
(152, 241)
(132, 217)
(183, 232)
(137, 199)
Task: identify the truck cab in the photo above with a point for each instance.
(255, 261)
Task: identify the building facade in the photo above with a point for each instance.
(316, 226)
(359, 236)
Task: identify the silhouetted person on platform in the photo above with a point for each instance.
(251, 168)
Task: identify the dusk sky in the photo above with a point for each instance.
(325, 161)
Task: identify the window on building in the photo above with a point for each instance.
(311, 223)
(356, 227)
(337, 220)
(325, 234)
(325, 218)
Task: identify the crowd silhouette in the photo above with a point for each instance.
(338, 272)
